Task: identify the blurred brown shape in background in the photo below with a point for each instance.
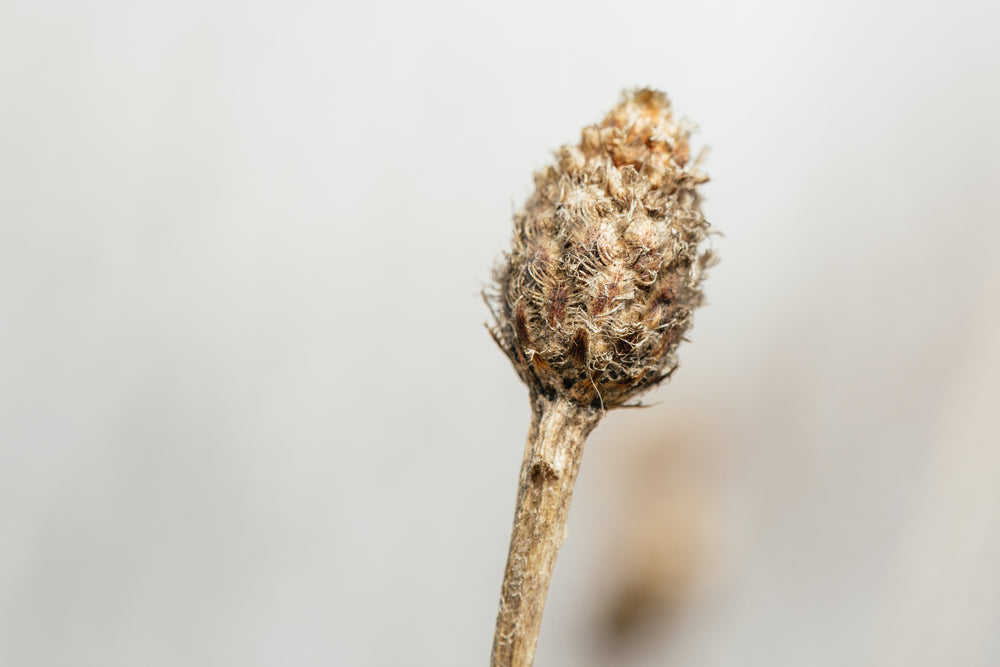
(659, 541)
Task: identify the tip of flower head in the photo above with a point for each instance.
(641, 132)
(643, 107)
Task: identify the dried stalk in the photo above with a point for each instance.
(552, 458)
(590, 305)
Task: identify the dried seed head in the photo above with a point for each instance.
(597, 292)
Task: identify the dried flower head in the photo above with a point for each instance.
(598, 290)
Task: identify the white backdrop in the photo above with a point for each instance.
(249, 414)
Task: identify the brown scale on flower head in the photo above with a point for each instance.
(604, 273)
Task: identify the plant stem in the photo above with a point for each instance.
(551, 462)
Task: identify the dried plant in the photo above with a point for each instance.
(590, 305)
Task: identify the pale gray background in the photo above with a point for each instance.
(248, 411)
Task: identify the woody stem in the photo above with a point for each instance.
(552, 458)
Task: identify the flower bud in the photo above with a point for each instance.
(604, 272)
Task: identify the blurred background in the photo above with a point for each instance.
(249, 413)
